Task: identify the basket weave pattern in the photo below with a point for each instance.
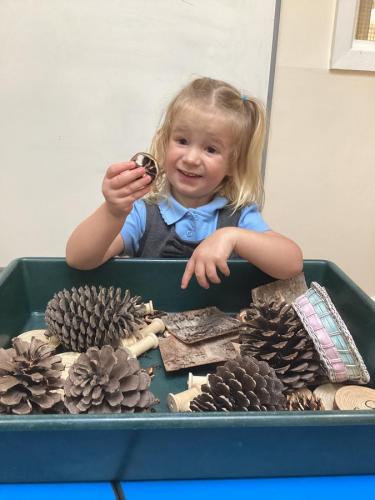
(331, 336)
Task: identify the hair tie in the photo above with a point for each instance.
(245, 98)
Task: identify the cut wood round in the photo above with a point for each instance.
(326, 393)
(353, 397)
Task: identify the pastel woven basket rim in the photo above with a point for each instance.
(339, 370)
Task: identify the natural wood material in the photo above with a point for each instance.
(326, 393)
(176, 355)
(284, 290)
(94, 316)
(40, 335)
(274, 333)
(244, 384)
(151, 341)
(107, 381)
(156, 326)
(30, 378)
(302, 402)
(180, 402)
(68, 359)
(353, 397)
(200, 324)
(196, 380)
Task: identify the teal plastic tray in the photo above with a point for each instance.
(163, 445)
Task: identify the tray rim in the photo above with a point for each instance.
(186, 421)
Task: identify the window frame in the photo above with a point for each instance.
(346, 52)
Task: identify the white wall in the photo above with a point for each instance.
(83, 84)
(320, 175)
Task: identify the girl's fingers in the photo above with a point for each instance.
(135, 195)
(200, 274)
(212, 273)
(126, 177)
(189, 271)
(132, 187)
(223, 267)
(118, 168)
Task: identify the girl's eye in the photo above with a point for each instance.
(211, 150)
(182, 141)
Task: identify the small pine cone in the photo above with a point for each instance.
(274, 333)
(107, 381)
(86, 317)
(30, 378)
(245, 384)
(298, 402)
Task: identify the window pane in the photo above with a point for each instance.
(366, 20)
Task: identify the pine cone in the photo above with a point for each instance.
(30, 377)
(245, 384)
(107, 381)
(85, 318)
(300, 403)
(274, 333)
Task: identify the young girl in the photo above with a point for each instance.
(204, 205)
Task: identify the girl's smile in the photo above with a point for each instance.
(198, 156)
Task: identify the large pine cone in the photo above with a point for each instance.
(245, 384)
(274, 333)
(85, 318)
(107, 381)
(30, 376)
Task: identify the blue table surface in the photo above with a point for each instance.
(308, 488)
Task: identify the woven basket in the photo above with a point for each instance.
(331, 336)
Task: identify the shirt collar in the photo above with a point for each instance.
(172, 211)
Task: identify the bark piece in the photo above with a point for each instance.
(285, 290)
(200, 324)
(177, 355)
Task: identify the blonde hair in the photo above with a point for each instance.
(247, 119)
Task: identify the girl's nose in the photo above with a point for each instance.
(192, 156)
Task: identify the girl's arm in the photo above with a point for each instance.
(271, 252)
(97, 238)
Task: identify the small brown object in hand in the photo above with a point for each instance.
(148, 162)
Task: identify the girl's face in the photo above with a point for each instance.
(198, 156)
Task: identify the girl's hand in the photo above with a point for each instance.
(209, 256)
(123, 184)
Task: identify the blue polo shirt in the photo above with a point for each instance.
(192, 224)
